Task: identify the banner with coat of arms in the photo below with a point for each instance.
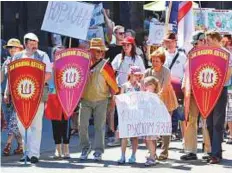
(26, 82)
(71, 72)
(208, 70)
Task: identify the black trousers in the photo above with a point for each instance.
(215, 124)
(59, 129)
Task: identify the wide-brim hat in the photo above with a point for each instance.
(98, 44)
(13, 42)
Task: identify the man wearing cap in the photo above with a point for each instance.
(13, 46)
(175, 61)
(190, 133)
(35, 130)
(94, 102)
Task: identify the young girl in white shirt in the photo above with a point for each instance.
(132, 85)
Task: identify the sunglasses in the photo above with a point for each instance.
(121, 33)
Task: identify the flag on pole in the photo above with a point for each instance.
(185, 24)
(109, 75)
(181, 15)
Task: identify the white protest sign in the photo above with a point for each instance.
(156, 33)
(96, 32)
(142, 114)
(98, 17)
(68, 18)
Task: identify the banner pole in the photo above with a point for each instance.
(168, 15)
(70, 42)
(67, 134)
(25, 147)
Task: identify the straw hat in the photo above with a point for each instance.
(13, 42)
(97, 43)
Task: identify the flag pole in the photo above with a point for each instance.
(168, 15)
(25, 148)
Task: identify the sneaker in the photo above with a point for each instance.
(34, 159)
(114, 143)
(97, 156)
(189, 156)
(85, 153)
(150, 162)
(132, 160)
(206, 156)
(122, 161)
(23, 159)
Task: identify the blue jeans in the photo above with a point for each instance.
(215, 124)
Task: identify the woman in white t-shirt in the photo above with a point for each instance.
(122, 62)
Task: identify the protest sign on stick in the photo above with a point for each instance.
(98, 17)
(142, 114)
(95, 32)
(68, 18)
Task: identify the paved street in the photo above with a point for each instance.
(48, 165)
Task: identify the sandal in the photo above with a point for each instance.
(6, 150)
(74, 132)
(163, 157)
(18, 150)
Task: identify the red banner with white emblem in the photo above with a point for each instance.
(26, 82)
(208, 69)
(71, 72)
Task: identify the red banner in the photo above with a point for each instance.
(26, 81)
(208, 69)
(71, 72)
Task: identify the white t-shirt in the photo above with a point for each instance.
(179, 65)
(123, 67)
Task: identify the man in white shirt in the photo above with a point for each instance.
(177, 68)
(35, 130)
(175, 61)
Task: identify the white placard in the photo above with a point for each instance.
(68, 18)
(156, 33)
(98, 17)
(142, 114)
(96, 32)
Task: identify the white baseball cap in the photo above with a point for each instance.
(30, 36)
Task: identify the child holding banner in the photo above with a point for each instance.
(132, 85)
(151, 84)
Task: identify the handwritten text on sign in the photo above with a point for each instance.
(68, 18)
(142, 114)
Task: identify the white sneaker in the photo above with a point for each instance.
(114, 143)
(85, 153)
